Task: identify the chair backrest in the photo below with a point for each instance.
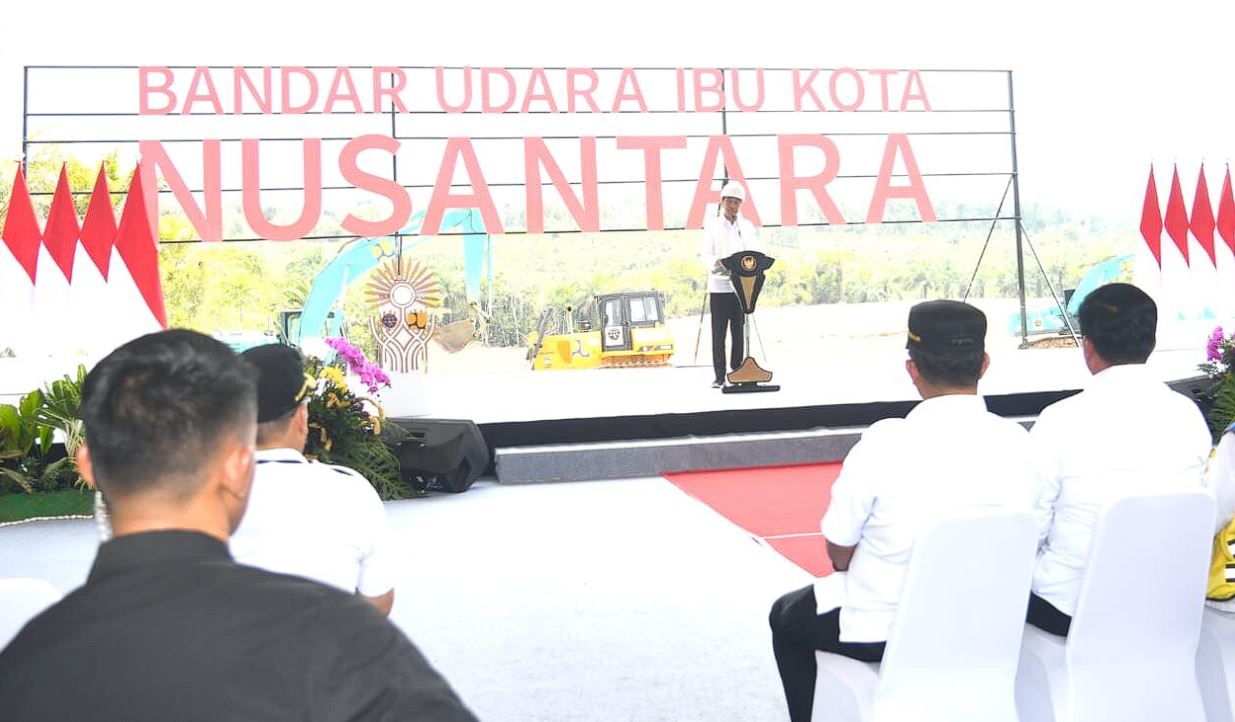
(22, 599)
(1132, 646)
(953, 650)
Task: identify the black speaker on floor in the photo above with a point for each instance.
(441, 454)
(1200, 389)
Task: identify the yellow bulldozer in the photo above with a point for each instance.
(612, 330)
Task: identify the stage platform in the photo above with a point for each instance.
(620, 423)
(570, 425)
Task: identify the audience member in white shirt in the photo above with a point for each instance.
(1126, 433)
(312, 520)
(948, 454)
(724, 235)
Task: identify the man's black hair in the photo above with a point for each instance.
(156, 408)
(956, 367)
(1121, 321)
(269, 430)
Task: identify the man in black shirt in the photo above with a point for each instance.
(167, 626)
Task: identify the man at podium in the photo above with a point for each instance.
(723, 235)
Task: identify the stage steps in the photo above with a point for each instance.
(650, 457)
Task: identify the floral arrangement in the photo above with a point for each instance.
(1220, 366)
(371, 375)
(346, 428)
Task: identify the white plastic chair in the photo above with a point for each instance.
(22, 599)
(1215, 665)
(1131, 652)
(952, 651)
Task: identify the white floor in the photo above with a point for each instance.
(616, 600)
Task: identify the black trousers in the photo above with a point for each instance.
(797, 631)
(1043, 615)
(726, 311)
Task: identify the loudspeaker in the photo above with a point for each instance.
(441, 454)
(1200, 389)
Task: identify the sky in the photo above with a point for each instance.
(1099, 95)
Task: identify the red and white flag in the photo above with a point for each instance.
(1151, 220)
(1205, 264)
(91, 296)
(19, 260)
(51, 291)
(78, 288)
(134, 272)
(1225, 251)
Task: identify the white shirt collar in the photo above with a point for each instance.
(1121, 375)
(948, 405)
(283, 454)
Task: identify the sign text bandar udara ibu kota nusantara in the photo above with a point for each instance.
(299, 90)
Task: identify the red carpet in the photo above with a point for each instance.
(780, 504)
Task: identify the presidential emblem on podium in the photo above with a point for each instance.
(746, 274)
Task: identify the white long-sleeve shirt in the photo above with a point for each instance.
(722, 239)
(946, 455)
(1126, 433)
(318, 521)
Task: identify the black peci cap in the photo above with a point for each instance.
(281, 381)
(941, 325)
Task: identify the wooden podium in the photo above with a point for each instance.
(746, 272)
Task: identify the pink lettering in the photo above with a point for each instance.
(573, 92)
(398, 83)
(535, 156)
(342, 77)
(201, 76)
(442, 198)
(859, 89)
(377, 185)
(145, 89)
(713, 86)
(634, 93)
(287, 73)
(652, 145)
(209, 224)
(441, 91)
(486, 92)
(719, 146)
(252, 201)
(241, 80)
(898, 143)
(791, 183)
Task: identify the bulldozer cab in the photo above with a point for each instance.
(619, 312)
(609, 330)
(289, 326)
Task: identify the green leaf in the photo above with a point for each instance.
(1223, 412)
(30, 403)
(19, 432)
(18, 478)
(47, 436)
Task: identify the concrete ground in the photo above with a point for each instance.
(603, 600)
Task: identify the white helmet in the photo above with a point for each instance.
(733, 189)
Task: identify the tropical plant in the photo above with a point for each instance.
(342, 430)
(1220, 366)
(17, 434)
(58, 409)
(27, 457)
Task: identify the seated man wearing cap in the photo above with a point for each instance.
(724, 235)
(1126, 433)
(312, 520)
(949, 453)
(167, 626)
